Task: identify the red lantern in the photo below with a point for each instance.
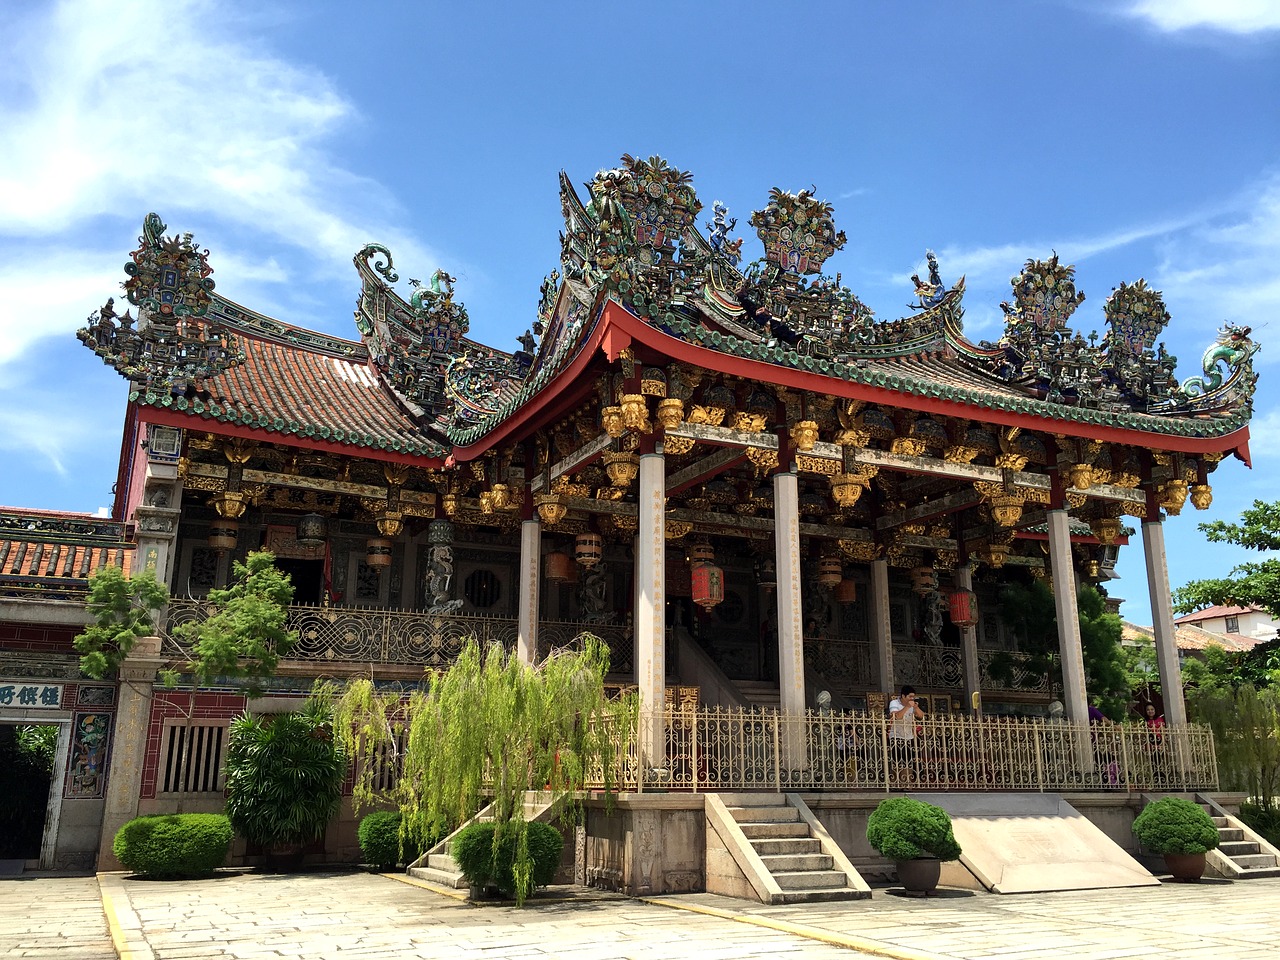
(964, 608)
(846, 591)
(560, 567)
(708, 585)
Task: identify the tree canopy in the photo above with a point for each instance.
(1256, 583)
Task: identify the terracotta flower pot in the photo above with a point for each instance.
(1187, 867)
(919, 877)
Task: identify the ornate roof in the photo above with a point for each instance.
(50, 554)
(416, 384)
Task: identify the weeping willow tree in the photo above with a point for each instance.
(488, 729)
(1246, 733)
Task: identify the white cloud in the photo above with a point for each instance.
(1264, 436)
(1231, 16)
(111, 110)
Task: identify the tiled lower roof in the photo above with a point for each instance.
(51, 554)
(290, 390)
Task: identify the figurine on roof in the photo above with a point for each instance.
(929, 292)
(720, 226)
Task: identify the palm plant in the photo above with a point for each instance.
(284, 775)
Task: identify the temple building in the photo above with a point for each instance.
(756, 491)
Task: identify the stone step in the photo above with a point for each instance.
(796, 862)
(778, 846)
(753, 800)
(1228, 834)
(440, 877)
(1220, 822)
(1249, 861)
(764, 814)
(822, 894)
(1258, 873)
(1234, 848)
(809, 879)
(443, 862)
(774, 830)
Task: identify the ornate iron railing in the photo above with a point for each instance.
(370, 635)
(765, 750)
(375, 635)
(941, 668)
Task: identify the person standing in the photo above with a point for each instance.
(904, 713)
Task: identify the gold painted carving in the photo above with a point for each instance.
(670, 412)
(712, 416)
(907, 446)
(635, 413)
(763, 458)
(819, 465)
(1201, 496)
(805, 434)
(611, 420)
(677, 446)
(959, 453)
(675, 529)
(749, 422)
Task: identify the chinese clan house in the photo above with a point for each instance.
(713, 456)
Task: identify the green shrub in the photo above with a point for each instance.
(1175, 825)
(380, 844)
(903, 829)
(174, 845)
(485, 865)
(284, 775)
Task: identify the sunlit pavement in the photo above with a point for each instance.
(339, 915)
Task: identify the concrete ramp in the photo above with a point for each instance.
(1032, 843)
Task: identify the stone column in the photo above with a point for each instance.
(530, 562)
(881, 625)
(128, 752)
(1064, 595)
(1175, 707)
(969, 648)
(786, 530)
(651, 660)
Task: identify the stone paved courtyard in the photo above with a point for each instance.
(357, 915)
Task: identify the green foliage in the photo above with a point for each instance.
(1175, 825)
(902, 828)
(1256, 583)
(245, 636)
(1029, 609)
(174, 845)
(488, 728)
(381, 841)
(284, 775)
(488, 855)
(1246, 733)
(123, 609)
(39, 744)
(1264, 821)
(1142, 668)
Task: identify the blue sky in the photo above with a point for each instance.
(1137, 138)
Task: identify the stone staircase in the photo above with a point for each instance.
(437, 864)
(1241, 853)
(785, 854)
(761, 694)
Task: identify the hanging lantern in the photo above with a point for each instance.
(1106, 529)
(963, 608)
(829, 571)
(561, 568)
(1006, 510)
(621, 467)
(701, 552)
(708, 585)
(391, 523)
(845, 489)
(588, 549)
(846, 591)
(223, 534)
(313, 530)
(766, 573)
(923, 580)
(378, 552)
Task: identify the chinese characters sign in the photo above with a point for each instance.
(30, 694)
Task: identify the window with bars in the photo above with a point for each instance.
(191, 757)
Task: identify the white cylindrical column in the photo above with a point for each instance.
(650, 621)
(530, 564)
(1175, 707)
(881, 625)
(786, 533)
(969, 648)
(1064, 595)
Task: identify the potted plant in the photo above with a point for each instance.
(1180, 831)
(284, 779)
(917, 836)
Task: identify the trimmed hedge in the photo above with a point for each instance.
(1175, 825)
(485, 866)
(903, 829)
(174, 845)
(379, 836)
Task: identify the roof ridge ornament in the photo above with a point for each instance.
(176, 343)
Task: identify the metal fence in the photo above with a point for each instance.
(733, 749)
